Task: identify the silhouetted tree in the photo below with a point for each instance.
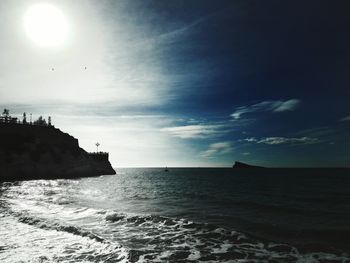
(49, 120)
(40, 121)
(6, 114)
(24, 121)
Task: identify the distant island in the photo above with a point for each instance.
(245, 165)
(38, 150)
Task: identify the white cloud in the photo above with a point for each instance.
(288, 105)
(130, 141)
(347, 118)
(265, 106)
(283, 140)
(194, 131)
(218, 148)
(252, 139)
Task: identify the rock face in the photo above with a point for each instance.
(33, 152)
(101, 163)
(244, 165)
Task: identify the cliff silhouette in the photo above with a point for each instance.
(34, 151)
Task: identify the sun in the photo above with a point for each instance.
(46, 25)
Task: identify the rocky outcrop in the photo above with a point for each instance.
(244, 165)
(101, 163)
(32, 152)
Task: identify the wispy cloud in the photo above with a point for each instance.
(347, 118)
(176, 33)
(265, 106)
(194, 131)
(283, 140)
(252, 139)
(218, 148)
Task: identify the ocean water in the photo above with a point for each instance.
(184, 215)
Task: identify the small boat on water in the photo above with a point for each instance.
(166, 169)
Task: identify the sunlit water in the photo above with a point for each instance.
(184, 215)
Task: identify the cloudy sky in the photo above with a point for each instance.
(185, 82)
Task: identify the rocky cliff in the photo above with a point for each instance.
(32, 151)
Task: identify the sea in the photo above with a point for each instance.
(183, 215)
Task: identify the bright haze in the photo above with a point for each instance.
(185, 83)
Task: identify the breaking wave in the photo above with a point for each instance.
(152, 238)
(184, 240)
(75, 221)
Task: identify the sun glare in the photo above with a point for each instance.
(46, 25)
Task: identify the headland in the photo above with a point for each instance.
(38, 150)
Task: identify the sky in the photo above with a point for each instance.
(185, 83)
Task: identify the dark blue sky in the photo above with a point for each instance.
(248, 51)
(242, 53)
(188, 82)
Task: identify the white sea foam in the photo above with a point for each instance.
(53, 221)
(21, 242)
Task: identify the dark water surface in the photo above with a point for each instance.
(184, 215)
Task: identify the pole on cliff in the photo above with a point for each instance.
(97, 144)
